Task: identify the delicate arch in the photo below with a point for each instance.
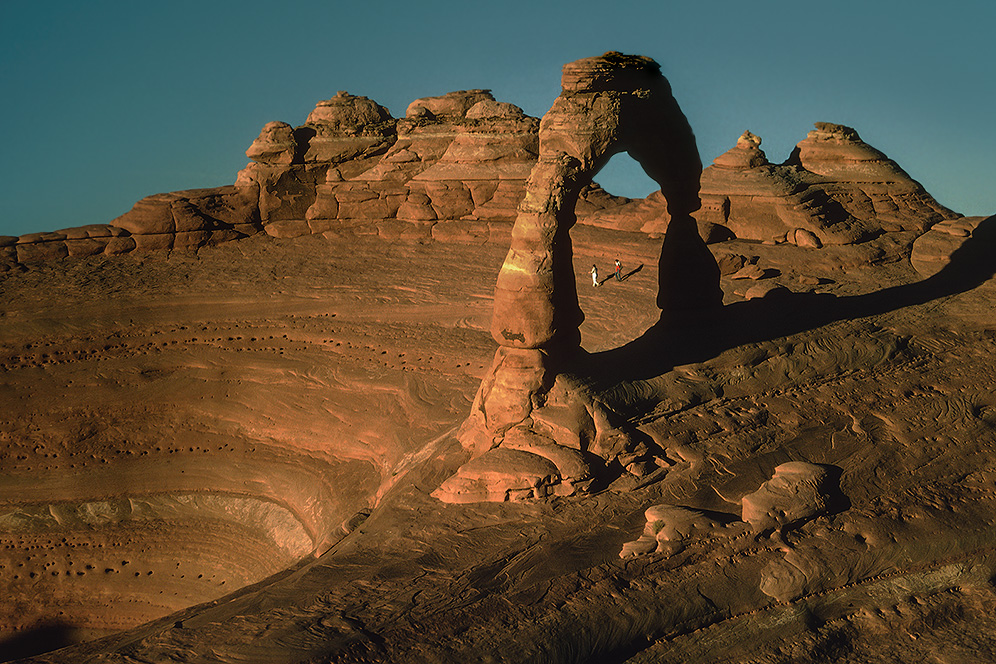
(609, 104)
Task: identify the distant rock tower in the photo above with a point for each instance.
(608, 104)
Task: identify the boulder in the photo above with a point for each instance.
(451, 105)
(797, 492)
(274, 145)
(500, 475)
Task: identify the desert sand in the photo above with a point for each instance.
(245, 449)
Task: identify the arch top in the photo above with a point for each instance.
(610, 71)
(622, 103)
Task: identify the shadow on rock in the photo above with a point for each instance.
(690, 337)
(37, 640)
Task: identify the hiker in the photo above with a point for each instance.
(618, 270)
(594, 275)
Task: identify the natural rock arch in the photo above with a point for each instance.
(608, 104)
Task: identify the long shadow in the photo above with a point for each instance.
(632, 272)
(699, 336)
(612, 277)
(37, 640)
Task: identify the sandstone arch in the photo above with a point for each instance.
(608, 104)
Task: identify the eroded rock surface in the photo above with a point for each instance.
(195, 424)
(833, 189)
(455, 169)
(796, 492)
(179, 425)
(607, 105)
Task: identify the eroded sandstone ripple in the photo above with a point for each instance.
(177, 428)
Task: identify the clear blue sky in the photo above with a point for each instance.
(109, 101)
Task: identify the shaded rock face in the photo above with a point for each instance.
(607, 105)
(834, 188)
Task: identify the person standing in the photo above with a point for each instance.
(594, 275)
(618, 270)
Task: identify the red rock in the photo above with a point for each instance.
(275, 145)
(288, 228)
(464, 232)
(348, 114)
(451, 105)
(152, 214)
(41, 251)
(834, 187)
(153, 241)
(120, 245)
(797, 491)
(766, 289)
(190, 240)
(605, 103)
(35, 238)
(346, 127)
(500, 475)
(86, 246)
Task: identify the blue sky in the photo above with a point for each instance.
(109, 101)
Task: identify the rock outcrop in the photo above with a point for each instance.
(668, 527)
(834, 188)
(459, 156)
(455, 169)
(798, 491)
(933, 250)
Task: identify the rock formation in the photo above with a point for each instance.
(668, 527)
(607, 105)
(462, 156)
(455, 168)
(254, 453)
(798, 491)
(833, 189)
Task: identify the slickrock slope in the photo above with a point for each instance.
(864, 369)
(176, 428)
(237, 453)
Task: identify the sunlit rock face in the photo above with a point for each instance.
(609, 104)
(161, 455)
(176, 427)
(455, 168)
(185, 415)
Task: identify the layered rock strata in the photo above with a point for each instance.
(607, 105)
(834, 188)
(462, 156)
(455, 168)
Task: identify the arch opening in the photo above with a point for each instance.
(623, 176)
(601, 212)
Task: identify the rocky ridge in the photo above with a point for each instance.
(455, 168)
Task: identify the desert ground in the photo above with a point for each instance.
(228, 455)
